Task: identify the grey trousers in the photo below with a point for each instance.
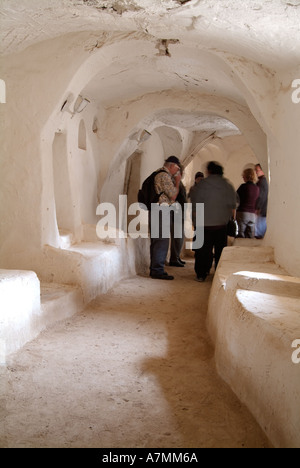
(246, 222)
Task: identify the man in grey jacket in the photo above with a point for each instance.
(220, 201)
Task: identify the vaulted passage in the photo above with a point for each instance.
(94, 96)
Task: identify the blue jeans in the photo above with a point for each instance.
(158, 253)
(261, 226)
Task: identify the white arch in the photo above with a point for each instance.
(102, 62)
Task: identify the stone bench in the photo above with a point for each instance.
(94, 267)
(20, 309)
(63, 283)
(27, 307)
(253, 320)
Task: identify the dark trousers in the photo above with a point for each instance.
(176, 242)
(158, 254)
(215, 238)
(159, 248)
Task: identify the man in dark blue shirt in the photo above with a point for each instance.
(262, 203)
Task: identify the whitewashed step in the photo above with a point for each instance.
(66, 239)
(60, 301)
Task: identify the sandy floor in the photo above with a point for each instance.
(135, 369)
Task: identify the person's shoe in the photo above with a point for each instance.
(176, 264)
(200, 279)
(182, 261)
(164, 276)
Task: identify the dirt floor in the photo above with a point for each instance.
(135, 369)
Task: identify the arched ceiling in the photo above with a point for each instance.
(155, 66)
(160, 45)
(197, 122)
(260, 30)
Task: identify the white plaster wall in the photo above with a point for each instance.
(284, 208)
(240, 155)
(83, 167)
(20, 310)
(153, 156)
(232, 152)
(62, 183)
(171, 141)
(35, 79)
(27, 157)
(75, 173)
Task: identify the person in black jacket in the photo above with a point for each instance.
(262, 203)
(177, 242)
(219, 198)
(198, 177)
